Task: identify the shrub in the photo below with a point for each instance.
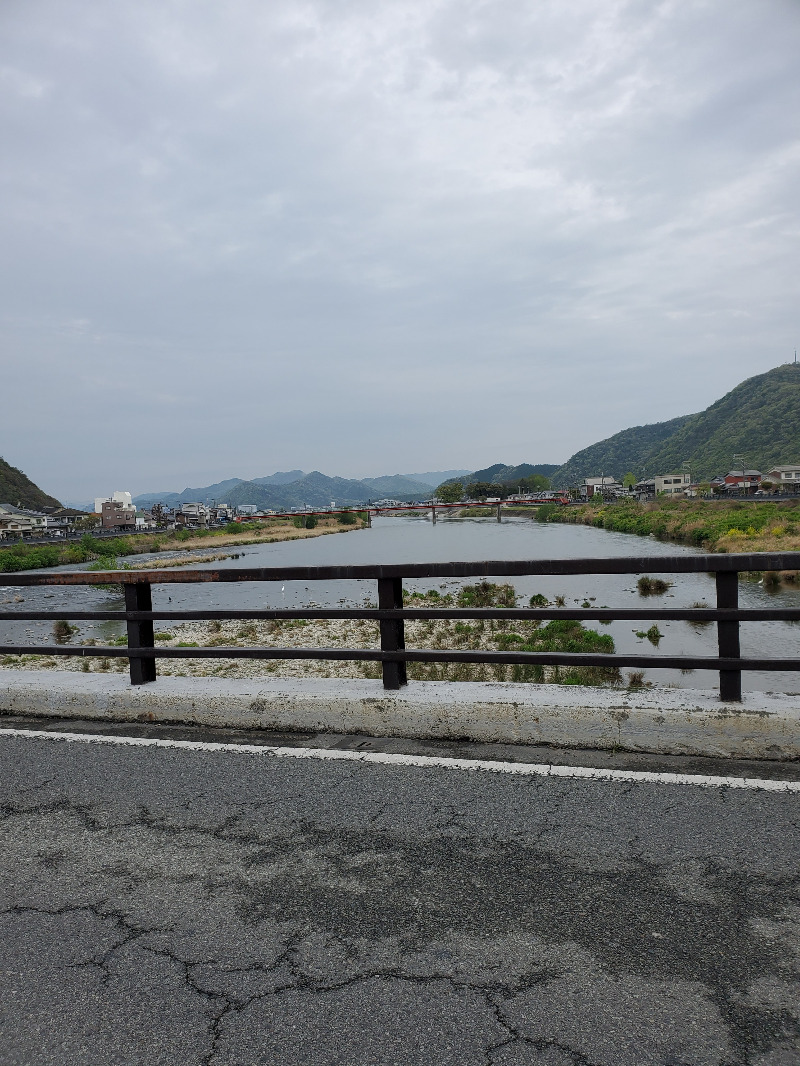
(62, 631)
(654, 635)
(347, 518)
(652, 586)
(487, 594)
(538, 600)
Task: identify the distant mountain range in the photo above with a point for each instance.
(294, 488)
(759, 419)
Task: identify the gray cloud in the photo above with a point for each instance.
(369, 238)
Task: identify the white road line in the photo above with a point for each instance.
(422, 761)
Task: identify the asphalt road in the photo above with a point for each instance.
(165, 905)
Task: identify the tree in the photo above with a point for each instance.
(630, 479)
(534, 483)
(450, 492)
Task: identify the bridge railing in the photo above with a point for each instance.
(391, 615)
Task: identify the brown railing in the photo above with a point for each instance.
(390, 614)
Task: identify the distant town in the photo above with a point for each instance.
(118, 512)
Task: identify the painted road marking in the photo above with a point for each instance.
(421, 761)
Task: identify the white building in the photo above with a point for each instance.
(123, 498)
(784, 476)
(603, 486)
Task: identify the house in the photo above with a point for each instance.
(601, 486)
(668, 484)
(17, 522)
(785, 478)
(736, 481)
(65, 519)
(118, 516)
(192, 516)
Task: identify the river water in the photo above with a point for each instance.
(416, 539)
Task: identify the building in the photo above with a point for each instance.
(221, 513)
(666, 484)
(192, 516)
(737, 480)
(118, 516)
(123, 498)
(600, 486)
(786, 478)
(17, 522)
(246, 508)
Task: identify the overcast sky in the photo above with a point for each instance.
(376, 237)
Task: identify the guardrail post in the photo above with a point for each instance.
(138, 597)
(730, 681)
(390, 597)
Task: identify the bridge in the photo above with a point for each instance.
(560, 499)
(245, 893)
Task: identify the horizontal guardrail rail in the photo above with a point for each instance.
(391, 615)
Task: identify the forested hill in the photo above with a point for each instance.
(759, 419)
(19, 490)
(629, 450)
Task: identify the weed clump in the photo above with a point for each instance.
(652, 586)
(62, 631)
(487, 594)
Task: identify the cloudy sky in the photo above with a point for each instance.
(375, 237)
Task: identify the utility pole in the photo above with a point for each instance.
(742, 464)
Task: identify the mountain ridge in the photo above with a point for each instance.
(17, 488)
(759, 419)
(294, 488)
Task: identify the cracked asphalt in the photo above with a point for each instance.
(162, 905)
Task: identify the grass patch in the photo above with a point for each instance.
(652, 586)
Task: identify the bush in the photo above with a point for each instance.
(652, 586)
(62, 631)
(487, 594)
(347, 518)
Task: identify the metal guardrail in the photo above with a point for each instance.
(391, 615)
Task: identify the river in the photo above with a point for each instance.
(416, 539)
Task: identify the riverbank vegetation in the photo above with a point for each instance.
(727, 526)
(557, 635)
(28, 555)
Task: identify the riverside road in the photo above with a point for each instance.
(177, 905)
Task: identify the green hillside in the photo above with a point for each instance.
(759, 419)
(628, 450)
(19, 490)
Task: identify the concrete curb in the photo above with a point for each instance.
(667, 721)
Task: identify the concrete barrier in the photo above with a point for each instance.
(664, 721)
